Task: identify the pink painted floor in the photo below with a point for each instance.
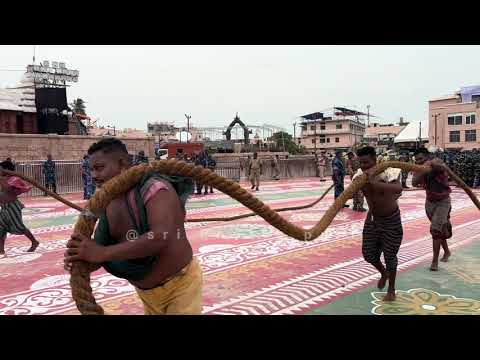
(249, 267)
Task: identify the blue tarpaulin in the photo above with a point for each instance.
(468, 91)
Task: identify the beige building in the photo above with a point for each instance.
(342, 129)
(168, 132)
(454, 120)
(382, 136)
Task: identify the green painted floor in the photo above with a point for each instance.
(200, 204)
(453, 290)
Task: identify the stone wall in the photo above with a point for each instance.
(296, 166)
(62, 147)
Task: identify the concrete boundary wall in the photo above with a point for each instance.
(28, 147)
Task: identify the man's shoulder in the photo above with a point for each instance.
(157, 182)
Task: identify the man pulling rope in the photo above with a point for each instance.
(141, 236)
(111, 197)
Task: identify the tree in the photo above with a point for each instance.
(283, 141)
(79, 106)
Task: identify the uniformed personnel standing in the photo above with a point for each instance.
(255, 171)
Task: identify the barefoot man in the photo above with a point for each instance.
(437, 204)
(383, 230)
(141, 236)
(11, 208)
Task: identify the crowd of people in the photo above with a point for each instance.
(162, 254)
(204, 159)
(466, 164)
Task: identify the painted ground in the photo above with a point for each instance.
(251, 268)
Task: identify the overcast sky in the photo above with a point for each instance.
(128, 86)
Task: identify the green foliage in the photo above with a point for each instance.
(285, 141)
(79, 106)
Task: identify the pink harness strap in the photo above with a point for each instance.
(153, 187)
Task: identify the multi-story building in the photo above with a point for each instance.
(454, 120)
(338, 129)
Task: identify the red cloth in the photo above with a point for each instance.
(18, 186)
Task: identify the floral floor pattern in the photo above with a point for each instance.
(250, 268)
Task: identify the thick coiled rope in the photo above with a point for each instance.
(80, 274)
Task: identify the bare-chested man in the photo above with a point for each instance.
(383, 230)
(141, 237)
(438, 204)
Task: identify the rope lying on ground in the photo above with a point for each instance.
(79, 208)
(80, 273)
(254, 213)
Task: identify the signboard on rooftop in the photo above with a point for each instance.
(57, 74)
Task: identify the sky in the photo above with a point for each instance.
(128, 86)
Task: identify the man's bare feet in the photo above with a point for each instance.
(33, 247)
(445, 257)
(382, 281)
(434, 266)
(390, 296)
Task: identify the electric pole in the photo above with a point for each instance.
(188, 125)
(294, 130)
(368, 115)
(420, 134)
(435, 117)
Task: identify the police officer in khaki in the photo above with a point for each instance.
(255, 170)
(276, 168)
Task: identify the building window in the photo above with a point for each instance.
(470, 119)
(454, 136)
(313, 141)
(470, 135)
(328, 140)
(322, 127)
(455, 120)
(304, 127)
(312, 127)
(339, 126)
(322, 140)
(337, 139)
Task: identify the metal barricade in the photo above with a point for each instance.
(229, 168)
(68, 175)
(69, 172)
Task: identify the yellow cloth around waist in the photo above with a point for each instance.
(182, 295)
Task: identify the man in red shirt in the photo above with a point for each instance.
(438, 203)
